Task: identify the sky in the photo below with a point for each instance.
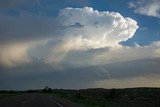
(79, 44)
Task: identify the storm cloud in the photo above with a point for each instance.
(78, 48)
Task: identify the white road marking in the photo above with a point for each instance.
(56, 102)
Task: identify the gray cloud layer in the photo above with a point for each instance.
(9, 3)
(26, 27)
(79, 77)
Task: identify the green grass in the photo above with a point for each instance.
(4, 94)
(136, 97)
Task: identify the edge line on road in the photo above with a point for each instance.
(56, 102)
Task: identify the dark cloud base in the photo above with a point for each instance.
(40, 75)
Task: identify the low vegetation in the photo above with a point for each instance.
(4, 94)
(129, 97)
(133, 97)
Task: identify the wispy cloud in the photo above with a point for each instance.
(143, 28)
(146, 7)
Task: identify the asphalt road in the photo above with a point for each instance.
(36, 100)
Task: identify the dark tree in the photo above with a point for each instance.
(47, 90)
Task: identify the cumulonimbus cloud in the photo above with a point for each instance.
(96, 29)
(85, 42)
(86, 28)
(86, 37)
(82, 29)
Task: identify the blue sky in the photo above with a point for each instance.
(92, 43)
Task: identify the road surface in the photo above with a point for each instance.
(36, 100)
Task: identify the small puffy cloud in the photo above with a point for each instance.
(146, 7)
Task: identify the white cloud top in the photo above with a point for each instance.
(95, 29)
